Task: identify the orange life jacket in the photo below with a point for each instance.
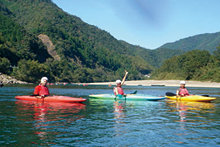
(41, 90)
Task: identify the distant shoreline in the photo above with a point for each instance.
(169, 83)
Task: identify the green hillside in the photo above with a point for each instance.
(86, 52)
(16, 43)
(193, 65)
(153, 57)
(208, 41)
(37, 39)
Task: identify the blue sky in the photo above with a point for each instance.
(147, 23)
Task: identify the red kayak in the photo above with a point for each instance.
(55, 98)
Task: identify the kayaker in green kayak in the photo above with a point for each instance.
(118, 90)
(182, 91)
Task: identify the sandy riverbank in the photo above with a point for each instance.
(171, 83)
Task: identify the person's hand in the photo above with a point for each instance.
(126, 71)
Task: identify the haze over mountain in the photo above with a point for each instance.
(208, 41)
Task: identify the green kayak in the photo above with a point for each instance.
(133, 97)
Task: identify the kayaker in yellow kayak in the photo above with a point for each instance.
(182, 91)
(118, 90)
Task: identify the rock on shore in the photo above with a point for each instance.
(10, 80)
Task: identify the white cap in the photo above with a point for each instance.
(44, 79)
(118, 81)
(182, 82)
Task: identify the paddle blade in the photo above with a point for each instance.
(205, 95)
(134, 92)
(170, 94)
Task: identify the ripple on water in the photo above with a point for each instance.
(107, 123)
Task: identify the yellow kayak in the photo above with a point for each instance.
(192, 98)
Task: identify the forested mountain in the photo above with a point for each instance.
(38, 38)
(86, 52)
(153, 57)
(193, 65)
(208, 41)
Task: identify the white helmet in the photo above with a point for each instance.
(118, 81)
(44, 79)
(182, 82)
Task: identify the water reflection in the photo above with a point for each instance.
(46, 116)
(188, 109)
(118, 111)
(119, 117)
(191, 116)
(108, 122)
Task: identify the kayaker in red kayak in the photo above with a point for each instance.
(182, 91)
(118, 90)
(42, 89)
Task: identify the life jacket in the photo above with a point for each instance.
(118, 90)
(41, 90)
(183, 91)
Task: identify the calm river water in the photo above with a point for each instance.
(108, 122)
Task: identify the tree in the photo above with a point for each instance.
(30, 71)
(217, 53)
(5, 66)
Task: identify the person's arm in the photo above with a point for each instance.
(115, 90)
(36, 90)
(48, 91)
(177, 92)
(123, 80)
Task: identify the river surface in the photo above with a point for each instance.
(108, 122)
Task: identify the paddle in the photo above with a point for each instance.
(170, 94)
(173, 94)
(38, 96)
(120, 96)
(34, 95)
(134, 92)
(205, 95)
